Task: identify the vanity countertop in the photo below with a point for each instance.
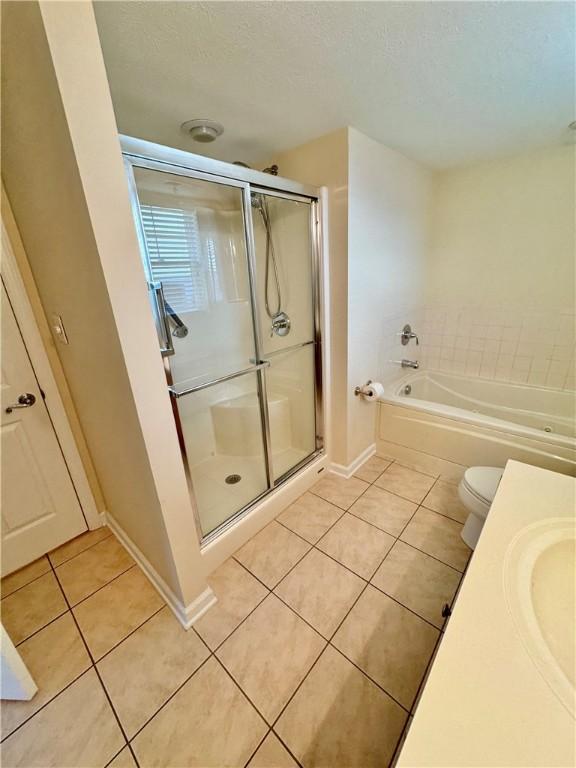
(485, 702)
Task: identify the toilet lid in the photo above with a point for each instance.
(483, 481)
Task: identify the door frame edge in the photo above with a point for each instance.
(22, 307)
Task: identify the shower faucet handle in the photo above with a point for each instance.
(280, 325)
(406, 334)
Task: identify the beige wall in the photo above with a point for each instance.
(503, 232)
(388, 212)
(500, 271)
(63, 174)
(378, 217)
(324, 162)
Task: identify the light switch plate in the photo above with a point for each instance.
(59, 330)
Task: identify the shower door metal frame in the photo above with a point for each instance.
(144, 154)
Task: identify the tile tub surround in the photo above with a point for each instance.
(289, 648)
(524, 346)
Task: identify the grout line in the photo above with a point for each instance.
(67, 560)
(278, 597)
(262, 740)
(23, 586)
(173, 694)
(237, 684)
(285, 707)
(51, 566)
(377, 527)
(118, 753)
(442, 514)
(411, 610)
(55, 696)
(221, 643)
(457, 570)
(87, 597)
(407, 725)
(36, 631)
(95, 668)
(285, 745)
(367, 676)
(132, 631)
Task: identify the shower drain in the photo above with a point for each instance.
(233, 479)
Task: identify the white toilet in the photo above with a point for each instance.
(477, 490)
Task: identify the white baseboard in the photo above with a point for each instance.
(186, 614)
(99, 521)
(343, 471)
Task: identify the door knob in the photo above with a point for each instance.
(24, 401)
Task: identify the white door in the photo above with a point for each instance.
(40, 509)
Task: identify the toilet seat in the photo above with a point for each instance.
(483, 482)
(478, 488)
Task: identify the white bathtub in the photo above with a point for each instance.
(472, 421)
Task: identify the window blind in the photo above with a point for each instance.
(175, 255)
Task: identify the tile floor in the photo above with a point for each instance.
(325, 626)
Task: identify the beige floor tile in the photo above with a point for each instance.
(356, 544)
(437, 536)
(384, 510)
(271, 553)
(310, 517)
(77, 728)
(93, 568)
(272, 754)
(141, 673)
(340, 719)
(77, 545)
(269, 654)
(123, 759)
(418, 581)
(321, 591)
(55, 656)
(387, 641)
(238, 593)
(405, 482)
(372, 469)
(339, 490)
(208, 723)
(32, 607)
(106, 617)
(443, 498)
(24, 576)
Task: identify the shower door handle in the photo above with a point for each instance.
(168, 346)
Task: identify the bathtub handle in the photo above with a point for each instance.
(406, 334)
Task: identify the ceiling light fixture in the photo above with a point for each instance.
(202, 130)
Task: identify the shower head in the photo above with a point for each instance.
(257, 200)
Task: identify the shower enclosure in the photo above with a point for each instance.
(231, 262)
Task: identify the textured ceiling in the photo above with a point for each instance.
(443, 82)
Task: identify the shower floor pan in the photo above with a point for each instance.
(217, 499)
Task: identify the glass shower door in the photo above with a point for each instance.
(286, 285)
(194, 242)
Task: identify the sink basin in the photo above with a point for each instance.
(540, 591)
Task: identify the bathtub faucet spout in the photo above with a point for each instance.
(409, 364)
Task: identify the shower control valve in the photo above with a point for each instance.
(406, 334)
(280, 325)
